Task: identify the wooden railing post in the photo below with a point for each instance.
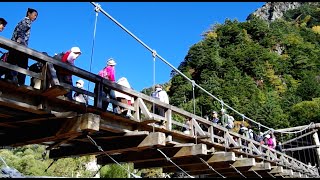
(44, 83)
(168, 116)
(136, 114)
(317, 142)
(98, 92)
(211, 132)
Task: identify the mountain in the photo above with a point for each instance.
(266, 68)
(274, 10)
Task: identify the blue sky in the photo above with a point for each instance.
(170, 28)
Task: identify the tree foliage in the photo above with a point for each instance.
(267, 71)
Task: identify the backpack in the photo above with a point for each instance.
(59, 56)
(36, 67)
(230, 121)
(4, 57)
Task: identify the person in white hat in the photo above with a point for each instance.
(65, 77)
(108, 72)
(80, 97)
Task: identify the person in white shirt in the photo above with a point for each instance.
(80, 97)
(161, 95)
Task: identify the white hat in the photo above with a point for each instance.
(75, 50)
(268, 136)
(81, 82)
(261, 133)
(111, 62)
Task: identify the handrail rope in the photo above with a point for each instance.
(100, 149)
(97, 10)
(271, 175)
(166, 62)
(168, 159)
(294, 132)
(237, 170)
(206, 163)
(256, 173)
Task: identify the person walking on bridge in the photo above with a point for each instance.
(108, 72)
(21, 35)
(64, 76)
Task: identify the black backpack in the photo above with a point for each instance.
(58, 56)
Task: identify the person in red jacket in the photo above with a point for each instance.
(66, 77)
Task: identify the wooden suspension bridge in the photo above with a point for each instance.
(67, 128)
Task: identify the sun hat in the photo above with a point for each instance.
(111, 62)
(75, 50)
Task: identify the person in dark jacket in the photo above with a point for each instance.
(21, 35)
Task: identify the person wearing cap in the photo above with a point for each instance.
(260, 138)
(161, 95)
(215, 118)
(123, 98)
(64, 76)
(21, 35)
(226, 120)
(108, 72)
(269, 141)
(78, 96)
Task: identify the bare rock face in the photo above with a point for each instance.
(274, 10)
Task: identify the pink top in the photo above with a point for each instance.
(108, 73)
(270, 143)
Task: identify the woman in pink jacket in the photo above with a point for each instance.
(107, 72)
(269, 141)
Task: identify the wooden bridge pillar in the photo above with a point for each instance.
(317, 143)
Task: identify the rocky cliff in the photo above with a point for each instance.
(274, 10)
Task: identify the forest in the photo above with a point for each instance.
(269, 71)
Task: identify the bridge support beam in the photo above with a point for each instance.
(317, 143)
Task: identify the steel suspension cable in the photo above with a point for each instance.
(237, 170)
(100, 149)
(257, 173)
(154, 55)
(271, 175)
(166, 62)
(206, 163)
(97, 10)
(168, 159)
